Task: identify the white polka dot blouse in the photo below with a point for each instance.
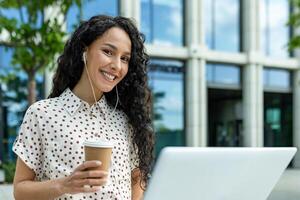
(51, 137)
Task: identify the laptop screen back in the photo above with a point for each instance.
(217, 173)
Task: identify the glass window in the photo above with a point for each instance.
(224, 74)
(166, 80)
(278, 120)
(225, 118)
(274, 31)
(10, 13)
(13, 101)
(89, 9)
(162, 21)
(5, 58)
(276, 78)
(222, 25)
(16, 14)
(13, 92)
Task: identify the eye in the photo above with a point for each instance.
(125, 59)
(107, 52)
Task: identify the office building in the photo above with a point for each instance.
(220, 71)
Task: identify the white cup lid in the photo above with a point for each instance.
(98, 143)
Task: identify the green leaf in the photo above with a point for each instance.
(294, 22)
(37, 42)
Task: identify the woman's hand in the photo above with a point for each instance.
(82, 176)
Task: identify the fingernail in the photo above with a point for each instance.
(98, 162)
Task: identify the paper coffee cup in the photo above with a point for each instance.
(99, 150)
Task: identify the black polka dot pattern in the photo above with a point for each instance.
(51, 137)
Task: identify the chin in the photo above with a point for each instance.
(108, 89)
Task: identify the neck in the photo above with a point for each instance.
(83, 90)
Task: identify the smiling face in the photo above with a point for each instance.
(107, 60)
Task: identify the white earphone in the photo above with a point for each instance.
(84, 57)
(85, 66)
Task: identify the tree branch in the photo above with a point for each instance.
(65, 12)
(40, 65)
(9, 44)
(26, 68)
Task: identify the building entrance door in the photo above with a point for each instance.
(278, 120)
(225, 117)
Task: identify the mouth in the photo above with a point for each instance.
(108, 76)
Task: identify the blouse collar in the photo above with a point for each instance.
(72, 103)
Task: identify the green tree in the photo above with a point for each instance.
(294, 21)
(36, 35)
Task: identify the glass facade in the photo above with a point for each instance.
(275, 33)
(278, 120)
(223, 74)
(89, 9)
(224, 105)
(222, 25)
(5, 58)
(225, 118)
(276, 78)
(13, 101)
(166, 80)
(10, 13)
(278, 109)
(14, 13)
(162, 21)
(13, 94)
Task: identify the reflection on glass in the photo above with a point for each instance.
(162, 21)
(146, 20)
(278, 120)
(225, 120)
(276, 78)
(210, 71)
(13, 13)
(166, 82)
(222, 24)
(89, 9)
(5, 59)
(13, 101)
(224, 74)
(274, 31)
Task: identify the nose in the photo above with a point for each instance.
(116, 64)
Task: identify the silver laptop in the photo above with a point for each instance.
(191, 173)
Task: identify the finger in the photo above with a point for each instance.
(100, 182)
(88, 164)
(87, 189)
(90, 182)
(90, 174)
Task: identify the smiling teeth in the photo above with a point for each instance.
(110, 77)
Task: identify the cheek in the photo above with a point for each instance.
(125, 71)
(102, 59)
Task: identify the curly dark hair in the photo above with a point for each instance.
(134, 94)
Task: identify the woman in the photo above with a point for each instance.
(99, 93)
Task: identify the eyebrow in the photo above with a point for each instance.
(115, 48)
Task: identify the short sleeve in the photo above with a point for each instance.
(133, 152)
(28, 144)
